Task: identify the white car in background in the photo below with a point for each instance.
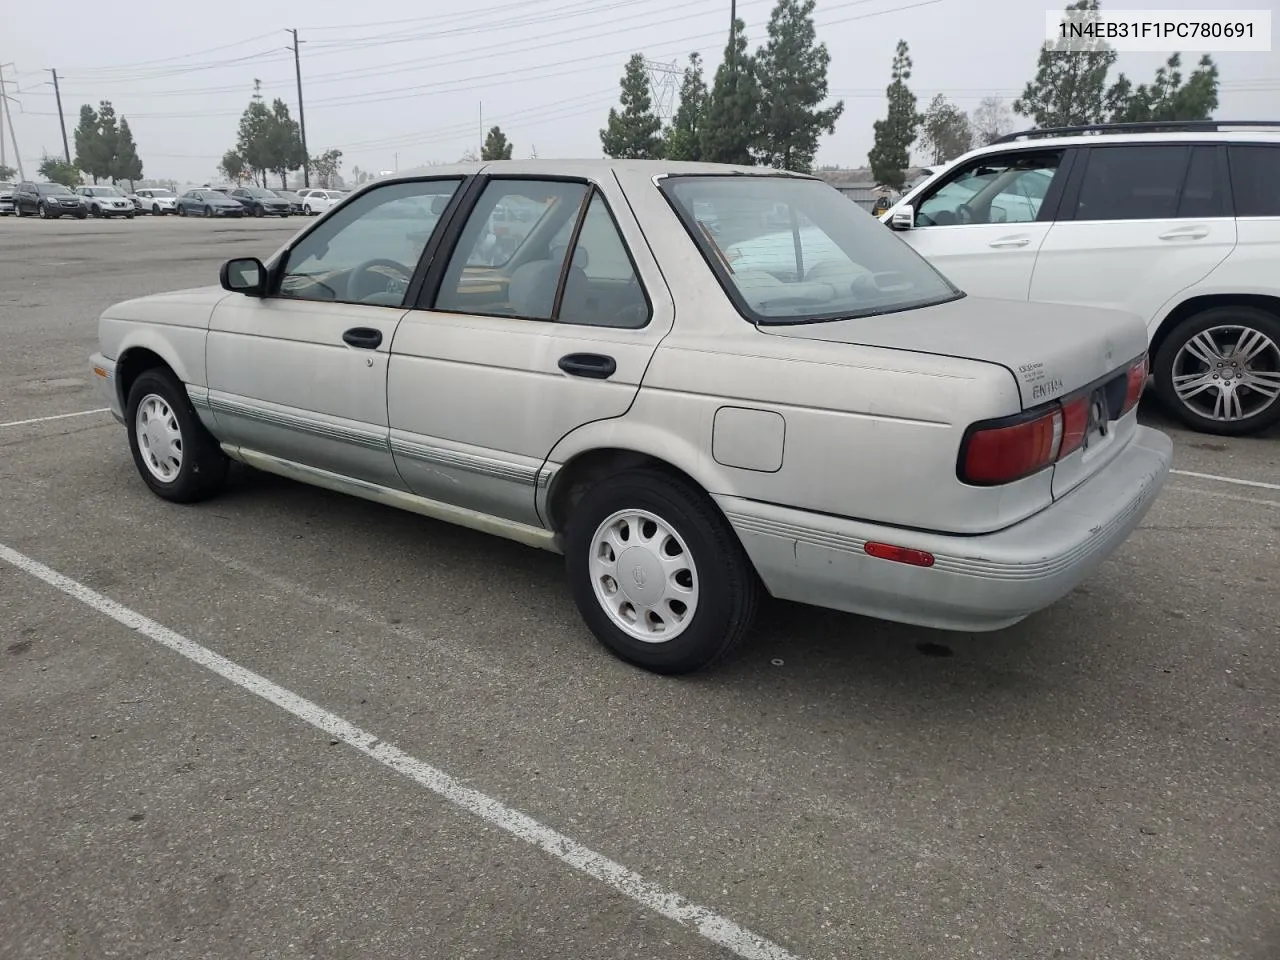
(107, 201)
(156, 201)
(318, 201)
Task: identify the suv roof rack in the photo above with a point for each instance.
(1148, 126)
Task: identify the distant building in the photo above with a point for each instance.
(860, 186)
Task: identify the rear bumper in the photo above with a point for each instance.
(976, 584)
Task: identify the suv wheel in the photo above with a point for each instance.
(176, 456)
(657, 573)
(43, 210)
(1219, 371)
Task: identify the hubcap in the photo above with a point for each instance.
(159, 438)
(644, 576)
(1230, 372)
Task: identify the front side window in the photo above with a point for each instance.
(831, 261)
(1000, 189)
(1140, 182)
(1255, 180)
(368, 251)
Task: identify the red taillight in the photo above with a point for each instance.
(1075, 424)
(887, 551)
(1004, 454)
(1137, 382)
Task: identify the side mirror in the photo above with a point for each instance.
(904, 218)
(244, 275)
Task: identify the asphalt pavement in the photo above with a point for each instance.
(289, 724)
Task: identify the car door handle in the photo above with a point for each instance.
(366, 338)
(1186, 233)
(1011, 242)
(594, 365)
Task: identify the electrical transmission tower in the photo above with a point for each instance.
(664, 86)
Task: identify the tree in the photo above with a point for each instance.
(88, 142)
(991, 120)
(891, 152)
(326, 167)
(1168, 98)
(945, 131)
(633, 133)
(127, 165)
(496, 146)
(792, 72)
(684, 136)
(1070, 86)
(253, 141)
(731, 122)
(108, 142)
(285, 138)
(233, 167)
(59, 171)
(7, 172)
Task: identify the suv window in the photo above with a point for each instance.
(1255, 180)
(1005, 188)
(1135, 182)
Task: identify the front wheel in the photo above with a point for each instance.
(658, 574)
(1219, 371)
(208, 211)
(176, 456)
(43, 211)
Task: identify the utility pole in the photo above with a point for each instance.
(302, 118)
(4, 113)
(733, 49)
(62, 122)
(8, 117)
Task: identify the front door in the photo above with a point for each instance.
(983, 224)
(301, 374)
(535, 330)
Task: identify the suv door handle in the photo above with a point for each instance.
(366, 338)
(1011, 242)
(593, 365)
(1186, 233)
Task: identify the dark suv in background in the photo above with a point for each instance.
(48, 200)
(259, 202)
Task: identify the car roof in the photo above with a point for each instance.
(585, 168)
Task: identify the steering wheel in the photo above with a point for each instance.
(367, 279)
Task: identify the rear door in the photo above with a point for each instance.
(521, 346)
(983, 223)
(1139, 223)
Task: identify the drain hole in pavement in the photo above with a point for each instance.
(934, 649)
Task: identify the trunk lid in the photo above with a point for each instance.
(1050, 350)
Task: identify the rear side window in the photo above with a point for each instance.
(1255, 180)
(1201, 194)
(1132, 183)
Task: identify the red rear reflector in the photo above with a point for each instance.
(1075, 423)
(887, 551)
(1137, 383)
(1004, 454)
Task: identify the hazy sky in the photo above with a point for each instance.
(384, 80)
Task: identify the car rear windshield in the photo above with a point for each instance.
(794, 250)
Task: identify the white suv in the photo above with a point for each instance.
(1177, 222)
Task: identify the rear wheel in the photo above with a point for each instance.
(658, 574)
(155, 209)
(1219, 371)
(177, 457)
(208, 211)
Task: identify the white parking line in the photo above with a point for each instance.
(1235, 480)
(60, 416)
(712, 926)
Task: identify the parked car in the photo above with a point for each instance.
(6, 197)
(107, 201)
(295, 200)
(260, 202)
(857, 433)
(208, 202)
(48, 200)
(318, 201)
(1176, 222)
(156, 201)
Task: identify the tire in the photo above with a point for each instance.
(201, 469)
(1224, 328)
(43, 210)
(726, 589)
(81, 216)
(208, 211)
(182, 211)
(307, 210)
(155, 209)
